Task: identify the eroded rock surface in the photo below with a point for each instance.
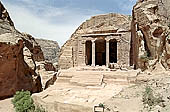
(18, 53)
(50, 49)
(150, 33)
(47, 72)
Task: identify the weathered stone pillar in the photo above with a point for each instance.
(93, 52)
(84, 52)
(107, 52)
(119, 52)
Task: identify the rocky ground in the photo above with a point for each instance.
(131, 99)
(118, 96)
(73, 89)
(122, 93)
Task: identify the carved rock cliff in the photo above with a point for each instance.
(150, 33)
(18, 53)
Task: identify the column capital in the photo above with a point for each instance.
(107, 39)
(109, 36)
(93, 41)
(118, 40)
(83, 41)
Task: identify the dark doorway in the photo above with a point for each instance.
(113, 51)
(88, 52)
(100, 55)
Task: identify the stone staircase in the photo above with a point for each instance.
(80, 78)
(87, 78)
(115, 78)
(64, 77)
(94, 78)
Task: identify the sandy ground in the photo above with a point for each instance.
(6, 105)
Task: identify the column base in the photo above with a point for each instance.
(93, 65)
(107, 65)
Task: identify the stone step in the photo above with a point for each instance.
(76, 78)
(87, 79)
(63, 79)
(66, 74)
(115, 77)
(116, 81)
(93, 78)
(86, 84)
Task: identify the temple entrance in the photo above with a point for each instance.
(113, 51)
(100, 55)
(88, 52)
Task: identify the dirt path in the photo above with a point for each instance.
(6, 105)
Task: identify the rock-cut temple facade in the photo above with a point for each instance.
(103, 40)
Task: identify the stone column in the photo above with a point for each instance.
(119, 52)
(93, 52)
(84, 52)
(107, 52)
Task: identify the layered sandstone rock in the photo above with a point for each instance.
(47, 72)
(150, 33)
(50, 49)
(72, 52)
(18, 53)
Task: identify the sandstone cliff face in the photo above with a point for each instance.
(109, 23)
(50, 49)
(48, 68)
(18, 53)
(150, 33)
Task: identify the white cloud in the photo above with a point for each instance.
(51, 23)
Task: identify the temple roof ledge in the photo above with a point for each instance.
(103, 34)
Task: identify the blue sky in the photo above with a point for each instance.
(58, 19)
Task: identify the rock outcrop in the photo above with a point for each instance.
(18, 53)
(47, 72)
(150, 33)
(50, 49)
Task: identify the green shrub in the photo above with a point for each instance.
(24, 103)
(149, 98)
(101, 105)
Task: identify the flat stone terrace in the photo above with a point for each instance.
(88, 86)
